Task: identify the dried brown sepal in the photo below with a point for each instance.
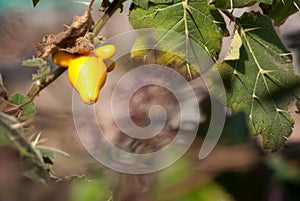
(82, 46)
(9, 108)
(72, 39)
(5, 105)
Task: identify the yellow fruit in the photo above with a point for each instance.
(105, 52)
(87, 75)
(62, 58)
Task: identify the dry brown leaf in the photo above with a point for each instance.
(8, 108)
(72, 39)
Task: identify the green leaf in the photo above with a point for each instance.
(280, 10)
(41, 72)
(34, 62)
(35, 2)
(262, 81)
(195, 19)
(226, 4)
(145, 3)
(28, 110)
(161, 1)
(142, 3)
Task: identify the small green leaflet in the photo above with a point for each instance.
(280, 10)
(235, 45)
(262, 81)
(34, 62)
(28, 110)
(43, 71)
(44, 67)
(226, 4)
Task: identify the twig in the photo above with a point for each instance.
(229, 15)
(40, 84)
(107, 14)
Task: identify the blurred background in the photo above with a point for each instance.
(238, 169)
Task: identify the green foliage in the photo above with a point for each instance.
(257, 72)
(35, 62)
(28, 110)
(195, 19)
(44, 67)
(145, 3)
(226, 4)
(280, 10)
(262, 81)
(42, 72)
(258, 77)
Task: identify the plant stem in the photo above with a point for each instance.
(40, 84)
(229, 15)
(107, 14)
(22, 145)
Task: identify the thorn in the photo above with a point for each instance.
(250, 116)
(82, 3)
(19, 125)
(280, 110)
(35, 142)
(235, 72)
(284, 137)
(251, 29)
(285, 54)
(217, 22)
(262, 71)
(231, 4)
(66, 26)
(295, 4)
(186, 6)
(254, 96)
(38, 82)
